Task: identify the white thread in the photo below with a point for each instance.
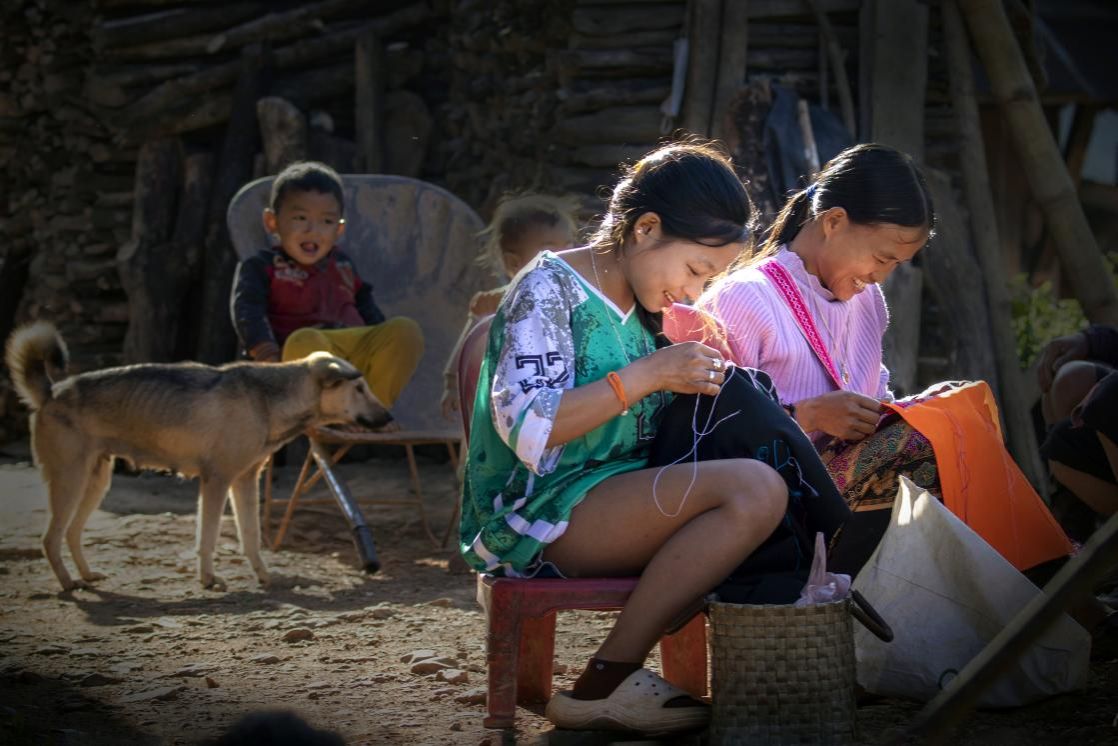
(696, 437)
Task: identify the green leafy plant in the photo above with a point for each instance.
(1039, 314)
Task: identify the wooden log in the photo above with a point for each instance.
(283, 133)
(273, 27)
(408, 125)
(702, 65)
(370, 82)
(299, 54)
(984, 229)
(622, 124)
(620, 19)
(598, 94)
(838, 63)
(795, 8)
(1047, 174)
(173, 23)
(614, 62)
(630, 39)
(216, 342)
(142, 263)
(732, 50)
(606, 156)
(898, 79)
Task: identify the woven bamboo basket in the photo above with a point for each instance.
(782, 675)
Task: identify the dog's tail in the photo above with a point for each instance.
(36, 357)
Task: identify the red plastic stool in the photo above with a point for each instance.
(520, 641)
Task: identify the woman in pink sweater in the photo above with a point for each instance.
(812, 316)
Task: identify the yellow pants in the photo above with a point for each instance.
(386, 354)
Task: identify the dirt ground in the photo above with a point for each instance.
(149, 657)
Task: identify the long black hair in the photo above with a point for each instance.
(692, 187)
(874, 183)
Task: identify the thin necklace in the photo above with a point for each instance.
(841, 355)
(612, 324)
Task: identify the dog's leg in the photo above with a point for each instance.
(246, 511)
(65, 487)
(211, 504)
(99, 477)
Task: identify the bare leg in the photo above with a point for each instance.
(1098, 494)
(732, 507)
(65, 487)
(95, 489)
(211, 504)
(246, 512)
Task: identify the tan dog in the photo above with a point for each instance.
(216, 423)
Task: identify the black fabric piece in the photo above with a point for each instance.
(1102, 343)
(784, 141)
(760, 430)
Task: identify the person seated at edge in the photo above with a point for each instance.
(1078, 378)
(571, 389)
(304, 294)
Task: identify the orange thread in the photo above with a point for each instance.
(618, 390)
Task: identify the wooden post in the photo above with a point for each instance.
(148, 269)
(703, 35)
(838, 62)
(216, 338)
(955, 278)
(984, 229)
(283, 132)
(369, 81)
(1044, 167)
(189, 240)
(731, 64)
(898, 79)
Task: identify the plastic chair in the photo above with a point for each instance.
(520, 613)
(415, 243)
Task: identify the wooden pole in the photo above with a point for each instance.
(984, 230)
(838, 62)
(957, 281)
(146, 264)
(370, 75)
(1044, 167)
(702, 64)
(898, 81)
(731, 64)
(216, 338)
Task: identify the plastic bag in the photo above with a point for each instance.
(822, 587)
(947, 593)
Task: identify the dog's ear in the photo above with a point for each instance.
(330, 371)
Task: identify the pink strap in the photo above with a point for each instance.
(785, 284)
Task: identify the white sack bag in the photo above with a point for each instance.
(946, 593)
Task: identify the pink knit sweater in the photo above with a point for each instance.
(762, 333)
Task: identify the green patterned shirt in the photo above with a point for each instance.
(553, 332)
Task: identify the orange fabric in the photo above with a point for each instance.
(981, 483)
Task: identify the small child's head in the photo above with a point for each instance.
(523, 226)
(306, 211)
